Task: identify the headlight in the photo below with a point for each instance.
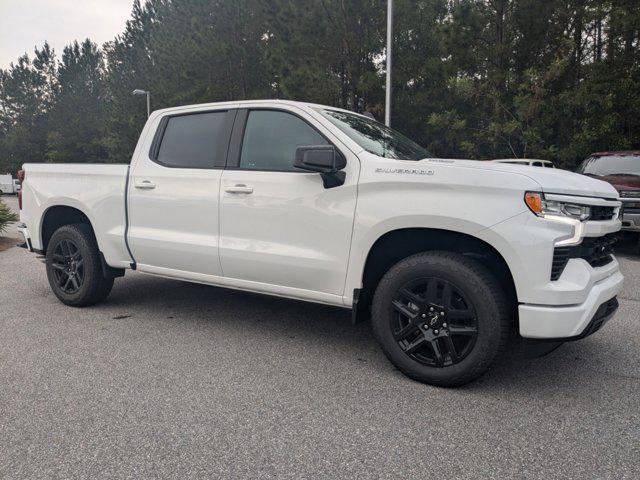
(552, 208)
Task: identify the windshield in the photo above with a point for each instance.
(375, 137)
(611, 165)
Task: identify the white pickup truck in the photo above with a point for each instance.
(320, 204)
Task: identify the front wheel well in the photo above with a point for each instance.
(397, 245)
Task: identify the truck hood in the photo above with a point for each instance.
(551, 180)
(621, 182)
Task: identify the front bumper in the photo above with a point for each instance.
(631, 222)
(558, 306)
(631, 214)
(570, 321)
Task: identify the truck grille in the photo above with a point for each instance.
(597, 251)
(630, 194)
(631, 207)
(602, 213)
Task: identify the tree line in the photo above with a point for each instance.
(554, 79)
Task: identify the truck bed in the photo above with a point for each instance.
(96, 190)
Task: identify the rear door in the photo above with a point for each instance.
(173, 194)
(280, 226)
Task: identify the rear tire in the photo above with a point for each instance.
(441, 318)
(74, 269)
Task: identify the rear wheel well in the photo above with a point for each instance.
(56, 217)
(397, 245)
(59, 216)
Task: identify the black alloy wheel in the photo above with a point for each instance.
(441, 317)
(435, 323)
(75, 267)
(68, 266)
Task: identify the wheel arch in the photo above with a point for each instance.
(396, 245)
(57, 216)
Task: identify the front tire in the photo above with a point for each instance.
(74, 269)
(441, 318)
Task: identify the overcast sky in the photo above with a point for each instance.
(25, 24)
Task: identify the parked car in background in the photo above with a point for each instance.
(622, 170)
(9, 185)
(531, 162)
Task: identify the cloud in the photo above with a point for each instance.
(25, 24)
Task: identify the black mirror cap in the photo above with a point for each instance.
(319, 158)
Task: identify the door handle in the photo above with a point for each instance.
(145, 185)
(240, 188)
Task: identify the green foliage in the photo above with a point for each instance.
(76, 117)
(555, 79)
(6, 217)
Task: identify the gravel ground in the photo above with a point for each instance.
(174, 380)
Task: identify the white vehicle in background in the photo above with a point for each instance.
(324, 205)
(9, 185)
(531, 162)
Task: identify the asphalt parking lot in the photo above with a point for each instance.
(174, 380)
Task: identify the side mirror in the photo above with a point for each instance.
(319, 158)
(324, 159)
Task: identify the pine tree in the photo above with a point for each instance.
(556, 79)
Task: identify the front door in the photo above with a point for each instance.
(279, 225)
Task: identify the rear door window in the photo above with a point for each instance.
(196, 140)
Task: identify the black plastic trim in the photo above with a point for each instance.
(601, 213)
(155, 145)
(361, 311)
(235, 141)
(597, 251)
(126, 218)
(109, 271)
(354, 308)
(579, 196)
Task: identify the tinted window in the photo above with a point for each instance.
(537, 164)
(195, 141)
(271, 138)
